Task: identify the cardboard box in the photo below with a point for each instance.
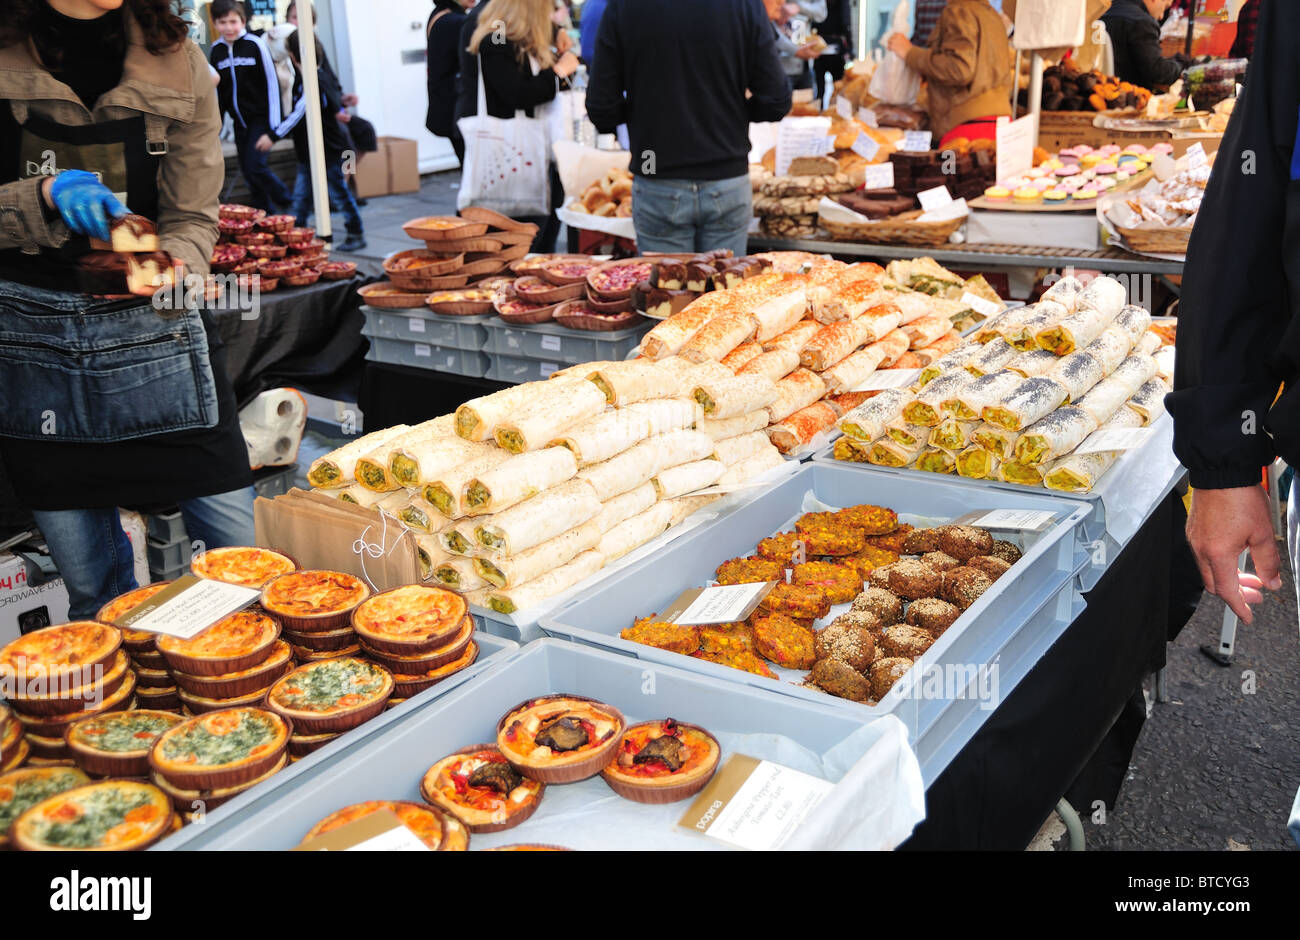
(391, 170)
(372, 174)
(25, 607)
(1050, 231)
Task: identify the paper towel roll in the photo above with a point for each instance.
(273, 425)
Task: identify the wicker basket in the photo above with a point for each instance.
(896, 230)
(1167, 241)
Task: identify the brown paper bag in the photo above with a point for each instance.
(321, 532)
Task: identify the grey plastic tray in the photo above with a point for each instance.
(519, 370)
(554, 343)
(1042, 581)
(425, 356)
(425, 326)
(164, 557)
(492, 651)
(389, 762)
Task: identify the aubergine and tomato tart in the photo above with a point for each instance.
(110, 816)
(478, 786)
(313, 601)
(430, 825)
(245, 566)
(220, 749)
(410, 620)
(331, 695)
(662, 762)
(23, 788)
(117, 744)
(134, 640)
(560, 738)
(232, 644)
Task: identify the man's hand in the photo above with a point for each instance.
(350, 101)
(344, 116)
(1224, 523)
(899, 45)
(563, 42)
(264, 143)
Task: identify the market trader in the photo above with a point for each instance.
(687, 77)
(1239, 333)
(1134, 29)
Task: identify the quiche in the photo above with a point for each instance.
(65, 655)
(313, 601)
(410, 620)
(305, 655)
(153, 678)
(409, 685)
(333, 695)
(166, 699)
(191, 801)
(117, 744)
(560, 738)
(43, 748)
(233, 644)
(422, 663)
(201, 705)
(480, 788)
(112, 816)
(122, 605)
(220, 749)
(63, 699)
(300, 745)
(22, 789)
(11, 735)
(426, 822)
(250, 567)
(54, 726)
(332, 641)
(257, 678)
(662, 762)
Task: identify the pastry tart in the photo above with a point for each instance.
(480, 788)
(313, 601)
(407, 685)
(22, 789)
(560, 738)
(256, 678)
(238, 642)
(428, 824)
(112, 816)
(118, 744)
(422, 663)
(333, 695)
(246, 566)
(190, 801)
(202, 705)
(662, 762)
(102, 682)
(411, 620)
(220, 749)
(53, 726)
(134, 640)
(64, 656)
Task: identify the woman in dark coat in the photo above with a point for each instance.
(443, 31)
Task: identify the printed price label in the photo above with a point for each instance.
(868, 117)
(844, 107)
(1196, 157)
(755, 804)
(1115, 439)
(932, 199)
(889, 378)
(866, 147)
(187, 607)
(380, 831)
(725, 604)
(1028, 520)
(551, 343)
(914, 141)
(879, 176)
(986, 307)
(417, 325)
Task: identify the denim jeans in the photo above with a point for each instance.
(1293, 546)
(267, 190)
(341, 198)
(692, 215)
(93, 553)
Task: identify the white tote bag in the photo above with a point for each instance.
(506, 162)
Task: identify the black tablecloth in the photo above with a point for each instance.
(401, 395)
(1069, 727)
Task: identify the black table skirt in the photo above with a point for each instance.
(401, 395)
(1069, 727)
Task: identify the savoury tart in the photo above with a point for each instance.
(560, 738)
(111, 816)
(313, 601)
(662, 762)
(478, 786)
(62, 700)
(406, 686)
(125, 603)
(411, 620)
(244, 682)
(232, 644)
(220, 749)
(22, 789)
(245, 566)
(117, 744)
(423, 662)
(426, 822)
(65, 655)
(333, 695)
(54, 726)
(202, 705)
(191, 801)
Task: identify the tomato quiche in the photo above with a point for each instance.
(66, 655)
(220, 749)
(134, 640)
(480, 788)
(118, 744)
(426, 822)
(190, 801)
(61, 699)
(23, 789)
(333, 695)
(233, 644)
(560, 738)
(112, 816)
(250, 567)
(411, 620)
(662, 762)
(313, 601)
(256, 678)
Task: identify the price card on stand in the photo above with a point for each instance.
(844, 107)
(380, 831)
(1016, 141)
(1196, 157)
(932, 199)
(916, 141)
(728, 603)
(801, 137)
(868, 117)
(754, 804)
(187, 607)
(1024, 520)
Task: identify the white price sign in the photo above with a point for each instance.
(916, 141)
(1028, 520)
(866, 147)
(880, 176)
(188, 606)
(868, 117)
(724, 604)
(844, 107)
(932, 199)
(755, 804)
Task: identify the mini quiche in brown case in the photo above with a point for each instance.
(117, 744)
(65, 700)
(190, 801)
(200, 705)
(110, 816)
(256, 678)
(220, 749)
(133, 640)
(43, 748)
(406, 685)
(422, 663)
(560, 738)
(300, 745)
(22, 789)
(478, 786)
(233, 644)
(333, 695)
(11, 735)
(305, 656)
(427, 823)
(53, 726)
(152, 678)
(246, 566)
(313, 601)
(411, 620)
(662, 762)
(165, 699)
(148, 659)
(66, 655)
(323, 642)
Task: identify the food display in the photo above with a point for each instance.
(233, 644)
(331, 696)
(220, 750)
(115, 815)
(662, 762)
(478, 786)
(1066, 88)
(560, 738)
(1075, 177)
(608, 197)
(313, 601)
(246, 566)
(277, 251)
(118, 744)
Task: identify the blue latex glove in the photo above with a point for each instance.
(86, 204)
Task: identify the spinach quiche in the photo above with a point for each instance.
(134, 640)
(22, 789)
(429, 825)
(244, 682)
(662, 762)
(246, 566)
(480, 788)
(220, 749)
(112, 816)
(58, 697)
(331, 695)
(65, 656)
(313, 601)
(118, 744)
(190, 801)
(238, 642)
(411, 620)
(560, 738)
